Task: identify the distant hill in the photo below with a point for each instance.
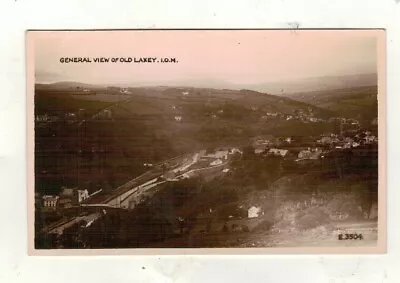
(281, 88)
(66, 86)
(316, 84)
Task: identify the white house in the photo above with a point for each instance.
(216, 162)
(253, 212)
(235, 150)
(277, 151)
(82, 195)
(50, 201)
(178, 118)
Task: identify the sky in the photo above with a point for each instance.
(230, 56)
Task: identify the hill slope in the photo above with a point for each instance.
(357, 102)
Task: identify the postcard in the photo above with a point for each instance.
(248, 141)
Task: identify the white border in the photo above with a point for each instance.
(19, 15)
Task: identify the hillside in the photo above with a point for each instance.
(357, 102)
(80, 140)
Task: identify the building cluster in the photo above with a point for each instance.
(341, 142)
(308, 116)
(219, 156)
(67, 198)
(288, 147)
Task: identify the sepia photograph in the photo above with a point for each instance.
(244, 140)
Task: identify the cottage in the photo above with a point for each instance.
(178, 118)
(253, 212)
(310, 153)
(216, 162)
(82, 195)
(50, 201)
(235, 150)
(278, 152)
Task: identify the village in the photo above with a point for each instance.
(313, 149)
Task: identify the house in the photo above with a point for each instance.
(259, 150)
(219, 154)
(42, 118)
(310, 153)
(235, 150)
(328, 139)
(278, 152)
(370, 139)
(216, 162)
(253, 212)
(50, 202)
(185, 93)
(178, 118)
(82, 195)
